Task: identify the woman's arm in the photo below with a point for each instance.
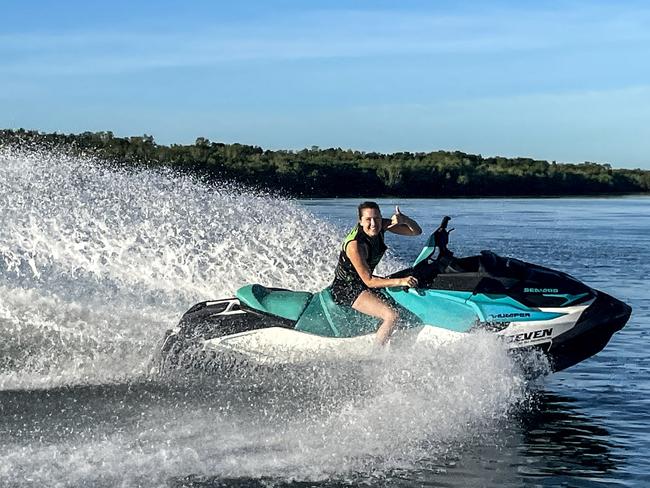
(402, 225)
(358, 255)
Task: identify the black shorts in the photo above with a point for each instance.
(345, 293)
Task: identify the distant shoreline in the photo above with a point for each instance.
(497, 197)
(340, 173)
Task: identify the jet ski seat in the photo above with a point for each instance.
(283, 303)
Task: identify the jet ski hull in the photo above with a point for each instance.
(591, 333)
(218, 334)
(527, 305)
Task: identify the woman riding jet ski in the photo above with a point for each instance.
(439, 299)
(354, 284)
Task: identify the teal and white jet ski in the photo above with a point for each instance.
(527, 305)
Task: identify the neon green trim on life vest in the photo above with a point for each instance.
(350, 237)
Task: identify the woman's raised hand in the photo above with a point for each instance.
(398, 217)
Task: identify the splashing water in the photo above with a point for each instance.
(342, 422)
(96, 263)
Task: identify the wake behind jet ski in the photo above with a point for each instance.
(529, 306)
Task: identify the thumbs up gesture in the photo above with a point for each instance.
(403, 225)
(398, 217)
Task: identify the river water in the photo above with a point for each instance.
(95, 264)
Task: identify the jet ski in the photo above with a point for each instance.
(526, 305)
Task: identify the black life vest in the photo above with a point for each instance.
(375, 249)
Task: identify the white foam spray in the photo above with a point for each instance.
(342, 422)
(96, 263)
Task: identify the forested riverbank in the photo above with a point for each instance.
(336, 172)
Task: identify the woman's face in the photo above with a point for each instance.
(370, 221)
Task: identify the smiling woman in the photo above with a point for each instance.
(354, 283)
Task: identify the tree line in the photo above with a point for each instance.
(336, 172)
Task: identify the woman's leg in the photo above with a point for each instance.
(370, 304)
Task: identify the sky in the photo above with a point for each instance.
(565, 81)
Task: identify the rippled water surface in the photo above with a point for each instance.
(95, 264)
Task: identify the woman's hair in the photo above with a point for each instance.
(364, 205)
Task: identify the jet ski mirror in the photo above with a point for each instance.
(438, 239)
(441, 237)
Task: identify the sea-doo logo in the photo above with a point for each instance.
(541, 290)
(527, 336)
(514, 315)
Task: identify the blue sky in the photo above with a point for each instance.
(561, 80)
